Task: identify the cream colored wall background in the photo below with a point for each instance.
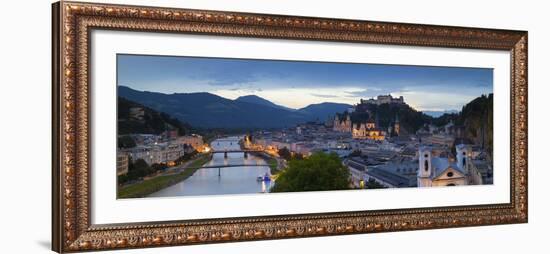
(25, 126)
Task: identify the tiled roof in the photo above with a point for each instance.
(439, 165)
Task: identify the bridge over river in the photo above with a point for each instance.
(245, 152)
(231, 170)
(219, 167)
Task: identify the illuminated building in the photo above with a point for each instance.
(367, 130)
(439, 171)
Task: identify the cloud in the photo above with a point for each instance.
(436, 101)
(295, 84)
(325, 95)
(373, 92)
(231, 79)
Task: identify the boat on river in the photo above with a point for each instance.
(264, 178)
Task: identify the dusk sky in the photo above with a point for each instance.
(297, 84)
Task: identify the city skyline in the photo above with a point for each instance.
(181, 131)
(296, 84)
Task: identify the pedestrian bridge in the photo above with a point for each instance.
(219, 167)
(225, 152)
(230, 166)
(235, 151)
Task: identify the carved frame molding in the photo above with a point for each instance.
(71, 226)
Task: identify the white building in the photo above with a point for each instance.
(195, 141)
(438, 171)
(440, 139)
(159, 153)
(121, 163)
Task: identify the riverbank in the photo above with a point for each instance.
(273, 165)
(270, 160)
(155, 184)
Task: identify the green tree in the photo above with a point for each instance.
(158, 166)
(186, 157)
(410, 119)
(126, 142)
(138, 169)
(298, 156)
(476, 117)
(285, 153)
(318, 172)
(153, 122)
(373, 184)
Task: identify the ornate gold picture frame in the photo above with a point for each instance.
(72, 229)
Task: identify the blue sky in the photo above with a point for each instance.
(296, 84)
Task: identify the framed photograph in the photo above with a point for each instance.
(178, 126)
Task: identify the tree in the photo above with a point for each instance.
(126, 142)
(152, 122)
(298, 156)
(285, 153)
(136, 170)
(373, 184)
(187, 156)
(139, 169)
(159, 166)
(355, 153)
(319, 171)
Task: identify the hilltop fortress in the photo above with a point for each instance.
(381, 99)
(369, 129)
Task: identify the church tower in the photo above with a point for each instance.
(424, 166)
(463, 157)
(396, 125)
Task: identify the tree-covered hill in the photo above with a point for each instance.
(149, 122)
(410, 120)
(477, 119)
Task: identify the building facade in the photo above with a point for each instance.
(160, 153)
(367, 130)
(195, 141)
(381, 99)
(342, 123)
(440, 171)
(122, 163)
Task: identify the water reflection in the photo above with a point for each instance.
(229, 180)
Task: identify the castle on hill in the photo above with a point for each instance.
(369, 129)
(381, 99)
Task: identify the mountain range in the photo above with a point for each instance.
(261, 101)
(206, 110)
(436, 114)
(149, 121)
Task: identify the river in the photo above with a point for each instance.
(229, 180)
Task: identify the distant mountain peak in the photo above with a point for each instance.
(250, 96)
(438, 113)
(324, 110)
(255, 99)
(327, 104)
(206, 110)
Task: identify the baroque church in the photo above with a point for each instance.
(342, 123)
(369, 129)
(366, 130)
(438, 171)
